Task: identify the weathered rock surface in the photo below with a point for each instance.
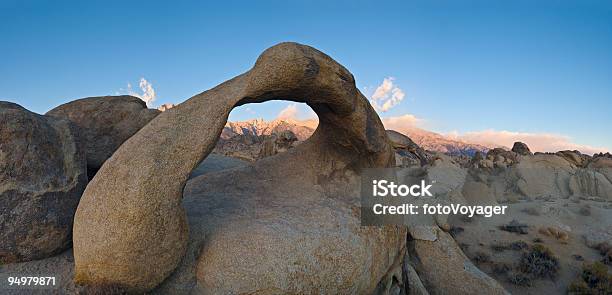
(444, 269)
(601, 161)
(407, 153)
(500, 158)
(62, 265)
(277, 143)
(574, 157)
(521, 149)
(42, 177)
(105, 122)
(214, 163)
(277, 232)
(543, 175)
(132, 230)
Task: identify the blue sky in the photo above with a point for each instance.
(527, 67)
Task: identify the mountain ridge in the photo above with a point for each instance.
(303, 129)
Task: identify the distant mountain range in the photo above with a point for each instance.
(259, 127)
(432, 141)
(428, 140)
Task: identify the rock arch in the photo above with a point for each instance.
(130, 227)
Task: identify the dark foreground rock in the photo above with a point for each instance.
(407, 152)
(521, 149)
(42, 177)
(105, 122)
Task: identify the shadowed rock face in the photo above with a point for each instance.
(407, 152)
(131, 228)
(42, 176)
(521, 149)
(444, 269)
(105, 122)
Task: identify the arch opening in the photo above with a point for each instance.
(259, 130)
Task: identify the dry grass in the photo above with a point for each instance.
(539, 262)
(594, 279)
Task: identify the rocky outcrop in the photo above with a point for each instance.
(501, 158)
(256, 139)
(105, 122)
(521, 149)
(444, 269)
(435, 142)
(286, 222)
(601, 161)
(275, 144)
(564, 174)
(574, 157)
(407, 153)
(165, 107)
(42, 176)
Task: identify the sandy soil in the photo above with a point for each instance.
(581, 220)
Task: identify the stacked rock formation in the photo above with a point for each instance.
(521, 149)
(291, 218)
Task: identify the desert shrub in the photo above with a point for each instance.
(467, 218)
(516, 246)
(520, 279)
(594, 279)
(464, 247)
(500, 268)
(481, 257)
(606, 251)
(585, 210)
(499, 247)
(607, 258)
(603, 247)
(515, 227)
(455, 230)
(539, 262)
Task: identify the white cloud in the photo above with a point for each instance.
(537, 142)
(387, 95)
(148, 92)
(289, 112)
(402, 123)
(293, 112)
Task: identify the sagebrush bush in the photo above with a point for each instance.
(594, 279)
(539, 262)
